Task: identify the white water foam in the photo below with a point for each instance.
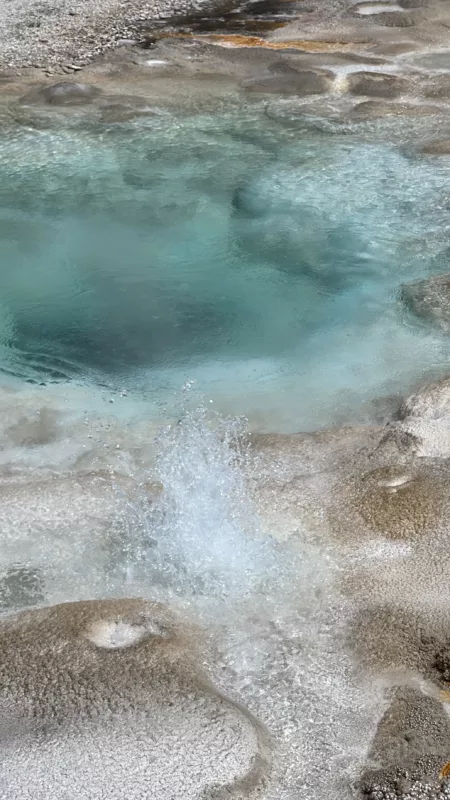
(207, 533)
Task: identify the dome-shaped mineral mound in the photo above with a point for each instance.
(104, 699)
(401, 502)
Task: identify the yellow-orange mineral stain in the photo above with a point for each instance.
(256, 41)
(445, 771)
(240, 40)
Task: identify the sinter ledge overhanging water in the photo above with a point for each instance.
(261, 260)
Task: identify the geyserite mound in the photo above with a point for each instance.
(104, 698)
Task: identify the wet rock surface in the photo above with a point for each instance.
(388, 512)
(440, 147)
(21, 587)
(374, 109)
(403, 503)
(431, 402)
(192, 47)
(411, 747)
(295, 82)
(116, 682)
(429, 299)
(425, 416)
(437, 89)
(394, 19)
(62, 94)
(374, 84)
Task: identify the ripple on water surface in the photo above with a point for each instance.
(264, 262)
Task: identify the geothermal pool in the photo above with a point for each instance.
(260, 259)
(166, 285)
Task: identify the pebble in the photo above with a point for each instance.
(85, 31)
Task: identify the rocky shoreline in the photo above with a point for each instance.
(65, 37)
(377, 498)
(355, 68)
(383, 491)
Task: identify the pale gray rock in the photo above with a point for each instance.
(425, 416)
(376, 84)
(401, 502)
(122, 108)
(62, 94)
(410, 748)
(300, 83)
(377, 109)
(438, 147)
(395, 19)
(430, 402)
(107, 698)
(429, 299)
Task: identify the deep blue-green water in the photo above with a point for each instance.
(260, 260)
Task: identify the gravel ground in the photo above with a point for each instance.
(66, 33)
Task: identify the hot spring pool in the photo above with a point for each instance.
(260, 260)
(194, 268)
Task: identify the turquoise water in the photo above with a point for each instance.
(260, 260)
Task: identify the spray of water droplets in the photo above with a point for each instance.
(205, 534)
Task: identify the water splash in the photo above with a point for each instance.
(208, 538)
